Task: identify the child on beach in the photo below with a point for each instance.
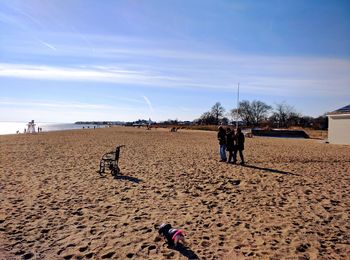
(173, 236)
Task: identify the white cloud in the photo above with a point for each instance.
(148, 103)
(54, 111)
(59, 105)
(98, 74)
(131, 61)
(50, 46)
(274, 76)
(70, 74)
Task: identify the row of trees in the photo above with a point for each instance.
(259, 114)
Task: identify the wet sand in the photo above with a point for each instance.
(291, 201)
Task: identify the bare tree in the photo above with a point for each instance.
(217, 111)
(259, 111)
(207, 118)
(245, 112)
(252, 113)
(284, 115)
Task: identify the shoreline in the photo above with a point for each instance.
(46, 127)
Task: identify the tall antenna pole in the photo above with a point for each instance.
(237, 106)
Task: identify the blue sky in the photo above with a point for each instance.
(64, 61)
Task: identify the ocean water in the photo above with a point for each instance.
(13, 127)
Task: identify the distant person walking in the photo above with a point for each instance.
(230, 143)
(239, 138)
(222, 143)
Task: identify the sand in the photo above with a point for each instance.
(291, 201)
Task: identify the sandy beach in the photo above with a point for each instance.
(291, 200)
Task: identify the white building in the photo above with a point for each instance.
(339, 126)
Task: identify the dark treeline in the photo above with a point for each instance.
(259, 114)
(249, 114)
(161, 123)
(99, 123)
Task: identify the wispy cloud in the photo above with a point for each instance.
(53, 104)
(95, 73)
(56, 111)
(276, 76)
(142, 62)
(148, 103)
(70, 73)
(48, 45)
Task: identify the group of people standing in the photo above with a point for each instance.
(232, 143)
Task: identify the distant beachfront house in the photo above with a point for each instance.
(339, 126)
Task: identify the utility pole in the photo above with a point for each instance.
(237, 106)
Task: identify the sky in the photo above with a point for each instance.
(123, 60)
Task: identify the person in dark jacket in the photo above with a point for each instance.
(172, 235)
(239, 138)
(222, 143)
(230, 143)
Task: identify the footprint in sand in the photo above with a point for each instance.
(83, 249)
(90, 255)
(151, 249)
(108, 255)
(93, 231)
(302, 247)
(222, 237)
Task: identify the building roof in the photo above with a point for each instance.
(343, 110)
